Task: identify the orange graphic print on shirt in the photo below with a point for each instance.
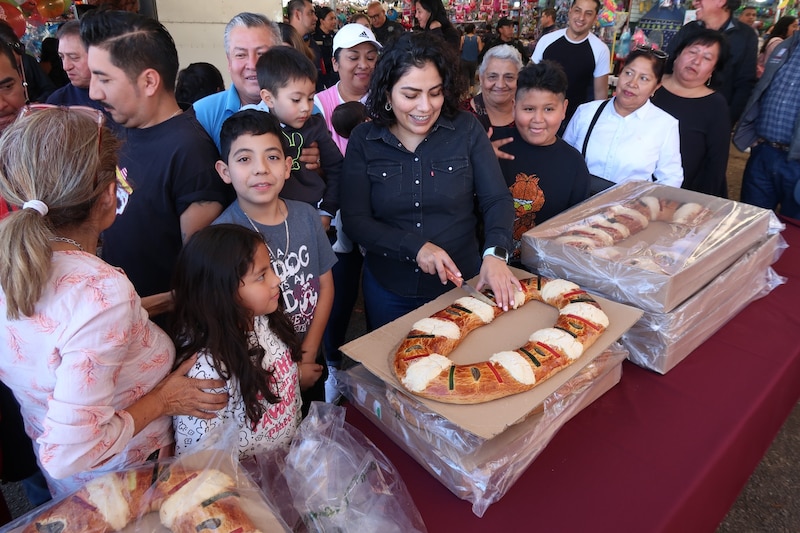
(528, 200)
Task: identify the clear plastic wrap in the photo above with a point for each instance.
(341, 482)
(206, 489)
(659, 267)
(659, 341)
(475, 469)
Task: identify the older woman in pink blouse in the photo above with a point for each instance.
(90, 371)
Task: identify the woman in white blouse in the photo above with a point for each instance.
(627, 137)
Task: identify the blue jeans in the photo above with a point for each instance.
(770, 180)
(36, 490)
(382, 305)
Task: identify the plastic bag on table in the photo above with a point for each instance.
(267, 470)
(341, 482)
(205, 489)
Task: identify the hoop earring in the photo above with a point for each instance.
(388, 106)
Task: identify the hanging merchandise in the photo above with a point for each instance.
(624, 47)
(608, 14)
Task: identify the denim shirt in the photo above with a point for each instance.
(394, 201)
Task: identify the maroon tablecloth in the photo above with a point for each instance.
(655, 453)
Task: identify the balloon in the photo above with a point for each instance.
(12, 14)
(50, 9)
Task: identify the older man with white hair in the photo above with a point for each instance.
(247, 37)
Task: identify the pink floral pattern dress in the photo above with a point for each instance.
(88, 352)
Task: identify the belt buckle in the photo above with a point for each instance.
(778, 146)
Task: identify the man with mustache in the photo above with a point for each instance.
(166, 156)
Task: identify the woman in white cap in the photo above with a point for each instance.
(355, 52)
(90, 371)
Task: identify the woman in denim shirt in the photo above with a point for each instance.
(410, 180)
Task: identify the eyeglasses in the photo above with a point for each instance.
(652, 50)
(124, 188)
(375, 16)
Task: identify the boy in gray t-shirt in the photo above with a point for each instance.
(254, 161)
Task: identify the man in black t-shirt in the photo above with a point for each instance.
(166, 155)
(584, 57)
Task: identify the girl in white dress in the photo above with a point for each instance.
(228, 309)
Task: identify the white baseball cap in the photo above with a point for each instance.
(352, 35)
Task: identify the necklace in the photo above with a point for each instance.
(76, 244)
(272, 254)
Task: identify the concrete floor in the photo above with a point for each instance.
(770, 502)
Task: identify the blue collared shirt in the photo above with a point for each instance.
(780, 105)
(394, 201)
(212, 111)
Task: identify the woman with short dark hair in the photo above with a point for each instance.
(688, 94)
(412, 176)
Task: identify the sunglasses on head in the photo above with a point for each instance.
(652, 50)
(124, 188)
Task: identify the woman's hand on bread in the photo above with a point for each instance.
(497, 276)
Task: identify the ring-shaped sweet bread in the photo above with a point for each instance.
(422, 365)
(618, 222)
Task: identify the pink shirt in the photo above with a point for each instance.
(327, 101)
(88, 352)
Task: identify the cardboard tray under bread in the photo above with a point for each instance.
(477, 470)
(682, 259)
(509, 331)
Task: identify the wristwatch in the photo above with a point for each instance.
(498, 252)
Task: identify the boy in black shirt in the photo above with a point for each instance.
(546, 176)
